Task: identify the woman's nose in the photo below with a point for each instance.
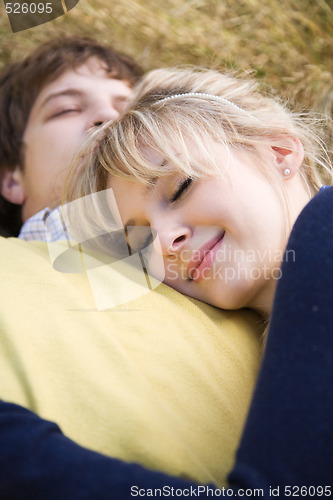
(173, 240)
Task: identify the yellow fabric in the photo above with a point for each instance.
(162, 380)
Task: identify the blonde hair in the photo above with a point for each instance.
(173, 110)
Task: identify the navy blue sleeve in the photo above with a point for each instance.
(288, 438)
(37, 462)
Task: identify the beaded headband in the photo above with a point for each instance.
(201, 94)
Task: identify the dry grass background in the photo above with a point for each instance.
(287, 44)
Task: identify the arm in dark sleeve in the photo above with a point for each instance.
(37, 462)
(288, 438)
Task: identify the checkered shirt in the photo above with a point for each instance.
(46, 225)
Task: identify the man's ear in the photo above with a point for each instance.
(11, 186)
(289, 157)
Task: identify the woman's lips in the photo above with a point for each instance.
(204, 258)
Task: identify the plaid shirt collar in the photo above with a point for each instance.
(46, 225)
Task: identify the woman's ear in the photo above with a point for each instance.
(11, 186)
(289, 157)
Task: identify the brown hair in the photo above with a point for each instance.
(21, 82)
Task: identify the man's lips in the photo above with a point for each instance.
(203, 258)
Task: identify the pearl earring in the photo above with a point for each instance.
(286, 172)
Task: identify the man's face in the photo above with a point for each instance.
(59, 120)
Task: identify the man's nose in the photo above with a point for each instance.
(101, 114)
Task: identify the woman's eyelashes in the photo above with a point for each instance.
(140, 237)
(184, 185)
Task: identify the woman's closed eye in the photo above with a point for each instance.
(181, 189)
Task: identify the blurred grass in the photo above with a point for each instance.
(287, 44)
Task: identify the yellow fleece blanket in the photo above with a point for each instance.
(162, 380)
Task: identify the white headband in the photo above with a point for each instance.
(201, 94)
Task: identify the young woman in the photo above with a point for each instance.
(209, 177)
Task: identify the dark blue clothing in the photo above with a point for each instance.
(288, 438)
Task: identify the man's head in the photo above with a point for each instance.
(48, 102)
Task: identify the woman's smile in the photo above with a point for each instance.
(203, 258)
